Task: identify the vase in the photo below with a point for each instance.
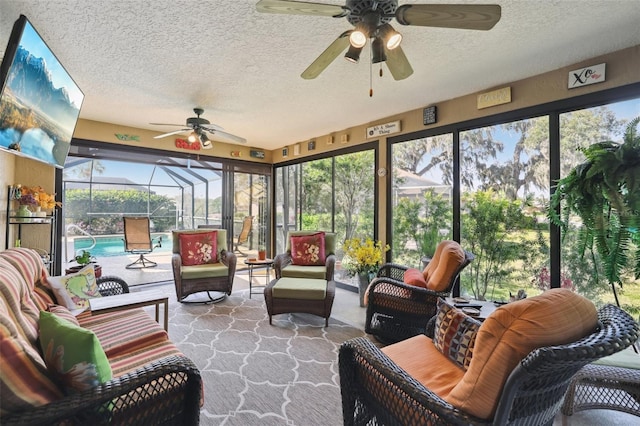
(39, 212)
(363, 282)
(23, 212)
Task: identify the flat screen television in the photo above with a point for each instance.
(39, 101)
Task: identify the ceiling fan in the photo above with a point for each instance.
(371, 21)
(199, 127)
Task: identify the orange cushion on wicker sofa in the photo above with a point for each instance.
(414, 277)
(555, 317)
(198, 248)
(308, 250)
(446, 260)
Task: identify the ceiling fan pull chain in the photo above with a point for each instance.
(371, 75)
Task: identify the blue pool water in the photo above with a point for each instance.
(114, 246)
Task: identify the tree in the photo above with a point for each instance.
(353, 177)
(493, 230)
(81, 206)
(354, 197)
(425, 221)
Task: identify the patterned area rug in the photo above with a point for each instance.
(260, 374)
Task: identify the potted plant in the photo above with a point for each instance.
(363, 258)
(83, 258)
(604, 191)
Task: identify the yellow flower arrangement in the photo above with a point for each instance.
(36, 195)
(363, 257)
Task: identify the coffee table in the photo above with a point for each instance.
(138, 299)
(257, 263)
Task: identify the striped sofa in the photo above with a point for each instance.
(152, 382)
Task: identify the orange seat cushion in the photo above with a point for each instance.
(445, 262)
(556, 317)
(419, 357)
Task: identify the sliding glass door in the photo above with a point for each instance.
(333, 194)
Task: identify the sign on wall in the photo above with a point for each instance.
(587, 75)
(495, 97)
(383, 129)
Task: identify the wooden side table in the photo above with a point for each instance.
(119, 302)
(257, 263)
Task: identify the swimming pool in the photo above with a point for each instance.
(107, 246)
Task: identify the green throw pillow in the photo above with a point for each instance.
(73, 354)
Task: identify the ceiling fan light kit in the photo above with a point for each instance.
(377, 51)
(358, 37)
(371, 20)
(353, 54)
(391, 37)
(198, 128)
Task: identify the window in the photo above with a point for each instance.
(422, 183)
(334, 194)
(579, 129)
(504, 191)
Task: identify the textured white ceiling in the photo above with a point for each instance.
(153, 61)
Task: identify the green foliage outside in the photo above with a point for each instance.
(100, 212)
(425, 221)
(497, 231)
(346, 182)
(511, 248)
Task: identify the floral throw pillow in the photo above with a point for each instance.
(455, 334)
(72, 354)
(198, 248)
(308, 250)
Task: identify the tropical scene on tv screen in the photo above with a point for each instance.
(40, 103)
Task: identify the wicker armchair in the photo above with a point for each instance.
(166, 392)
(110, 285)
(396, 310)
(216, 277)
(375, 390)
(283, 266)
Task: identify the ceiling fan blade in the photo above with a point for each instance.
(166, 124)
(175, 132)
(326, 57)
(301, 8)
(464, 16)
(398, 63)
(226, 135)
